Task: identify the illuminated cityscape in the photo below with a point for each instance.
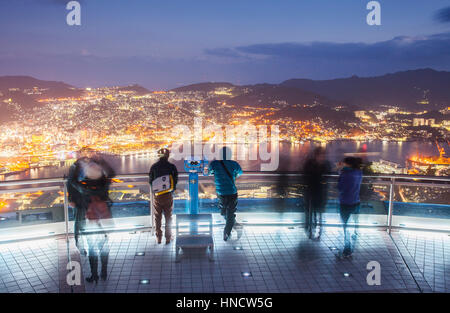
(122, 122)
(214, 155)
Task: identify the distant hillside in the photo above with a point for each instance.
(139, 90)
(27, 82)
(404, 89)
(26, 90)
(267, 95)
(293, 102)
(205, 87)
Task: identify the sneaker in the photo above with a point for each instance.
(347, 253)
(226, 236)
(159, 240)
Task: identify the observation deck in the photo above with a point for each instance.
(404, 225)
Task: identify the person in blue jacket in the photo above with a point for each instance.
(349, 186)
(225, 172)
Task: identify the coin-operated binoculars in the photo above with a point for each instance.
(194, 167)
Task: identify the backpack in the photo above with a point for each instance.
(162, 185)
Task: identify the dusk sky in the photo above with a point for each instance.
(166, 44)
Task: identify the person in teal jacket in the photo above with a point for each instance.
(225, 172)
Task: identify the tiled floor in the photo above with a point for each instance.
(431, 254)
(29, 266)
(278, 258)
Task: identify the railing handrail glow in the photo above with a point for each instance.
(62, 180)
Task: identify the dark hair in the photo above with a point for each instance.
(355, 163)
(318, 151)
(163, 153)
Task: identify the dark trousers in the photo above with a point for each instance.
(227, 206)
(163, 206)
(98, 244)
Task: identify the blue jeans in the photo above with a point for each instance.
(227, 206)
(346, 210)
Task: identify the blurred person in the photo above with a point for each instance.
(366, 188)
(283, 182)
(163, 177)
(88, 192)
(314, 170)
(349, 185)
(225, 173)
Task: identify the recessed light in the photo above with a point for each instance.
(246, 274)
(2, 218)
(144, 282)
(140, 254)
(347, 274)
(237, 248)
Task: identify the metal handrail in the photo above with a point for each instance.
(62, 180)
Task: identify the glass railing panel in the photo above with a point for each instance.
(272, 198)
(261, 198)
(131, 203)
(373, 209)
(31, 212)
(181, 196)
(422, 206)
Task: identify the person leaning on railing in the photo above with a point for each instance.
(225, 172)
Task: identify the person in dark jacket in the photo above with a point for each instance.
(161, 172)
(349, 186)
(88, 185)
(314, 170)
(225, 172)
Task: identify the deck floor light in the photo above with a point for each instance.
(140, 254)
(347, 274)
(246, 274)
(238, 248)
(144, 282)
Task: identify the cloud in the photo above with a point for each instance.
(324, 58)
(224, 52)
(258, 63)
(443, 15)
(402, 48)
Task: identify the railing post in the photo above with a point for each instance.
(391, 204)
(152, 221)
(66, 210)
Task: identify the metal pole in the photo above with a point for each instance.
(66, 210)
(391, 204)
(152, 222)
(193, 193)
